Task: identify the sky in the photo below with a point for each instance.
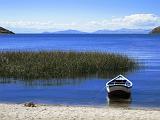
(27, 16)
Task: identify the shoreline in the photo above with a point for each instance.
(60, 112)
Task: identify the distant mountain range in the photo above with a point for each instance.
(70, 31)
(120, 31)
(66, 32)
(105, 31)
(123, 31)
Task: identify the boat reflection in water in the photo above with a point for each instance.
(119, 102)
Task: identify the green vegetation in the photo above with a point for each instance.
(5, 31)
(56, 64)
(156, 30)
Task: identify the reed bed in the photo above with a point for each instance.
(56, 64)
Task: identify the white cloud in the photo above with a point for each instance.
(144, 21)
(137, 21)
(31, 24)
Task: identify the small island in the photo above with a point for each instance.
(156, 30)
(5, 31)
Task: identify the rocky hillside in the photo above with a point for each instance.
(156, 30)
(5, 31)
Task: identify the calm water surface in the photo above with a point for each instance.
(86, 91)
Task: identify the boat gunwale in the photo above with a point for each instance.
(124, 85)
(119, 85)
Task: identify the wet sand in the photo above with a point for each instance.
(44, 112)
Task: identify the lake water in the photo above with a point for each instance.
(85, 91)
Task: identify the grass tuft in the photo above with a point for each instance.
(56, 64)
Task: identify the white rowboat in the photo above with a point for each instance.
(119, 87)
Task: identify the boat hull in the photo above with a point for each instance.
(119, 92)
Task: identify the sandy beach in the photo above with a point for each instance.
(43, 112)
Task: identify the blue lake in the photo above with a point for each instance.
(85, 91)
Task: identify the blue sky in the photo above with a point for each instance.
(86, 15)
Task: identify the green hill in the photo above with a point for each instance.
(5, 31)
(156, 30)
